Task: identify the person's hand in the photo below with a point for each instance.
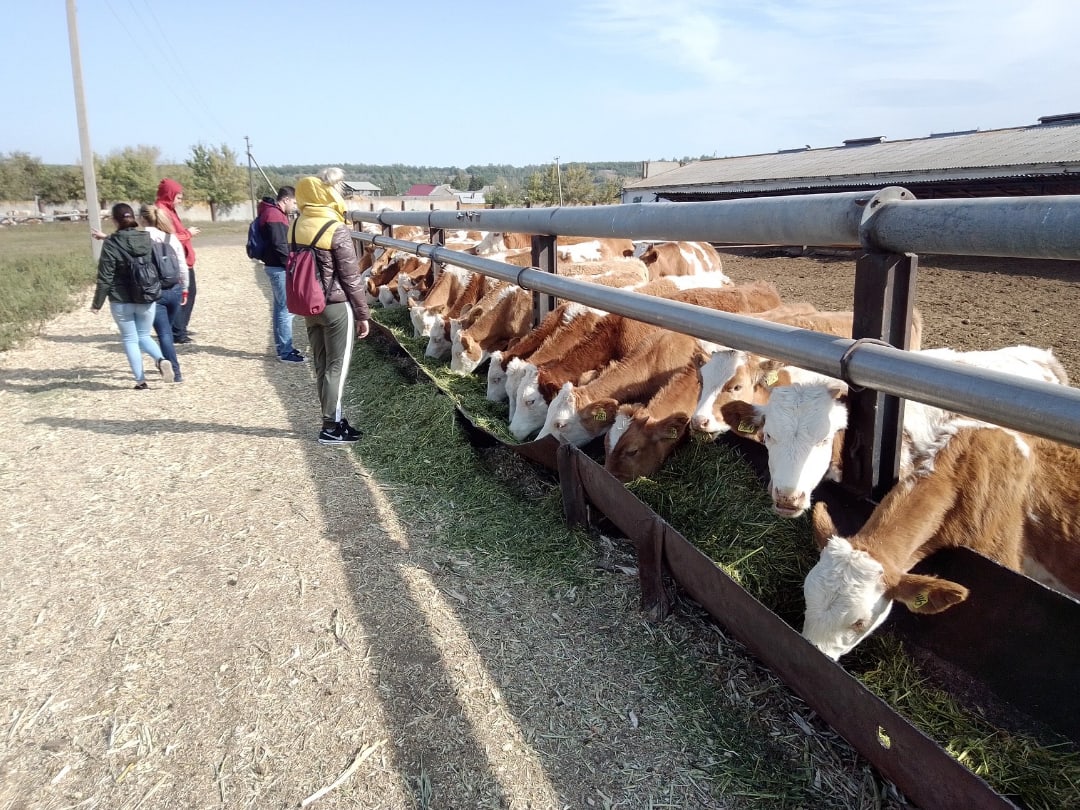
(183, 298)
(95, 311)
(193, 231)
(362, 329)
(99, 235)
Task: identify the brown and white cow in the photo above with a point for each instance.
(680, 259)
(505, 319)
(802, 424)
(1010, 497)
(642, 437)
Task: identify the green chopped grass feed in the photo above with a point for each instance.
(714, 499)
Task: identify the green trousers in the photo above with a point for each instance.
(330, 340)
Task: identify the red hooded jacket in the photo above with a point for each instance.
(166, 200)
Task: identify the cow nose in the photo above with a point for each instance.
(789, 502)
(699, 422)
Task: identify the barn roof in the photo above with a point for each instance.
(1050, 147)
(359, 186)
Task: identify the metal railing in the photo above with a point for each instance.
(888, 221)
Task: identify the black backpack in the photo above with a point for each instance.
(256, 240)
(141, 278)
(166, 261)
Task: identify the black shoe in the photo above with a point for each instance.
(142, 386)
(349, 430)
(335, 435)
(184, 339)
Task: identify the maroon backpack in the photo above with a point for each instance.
(304, 290)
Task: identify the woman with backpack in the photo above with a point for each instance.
(321, 226)
(118, 282)
(170, 194)
(174, 285)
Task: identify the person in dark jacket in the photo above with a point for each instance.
(331, 332)
(274, 226)
(170, 194)
(133, 319)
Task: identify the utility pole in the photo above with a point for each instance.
(251, 177)
(93, 206)
(558, 174)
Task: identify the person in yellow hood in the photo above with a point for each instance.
(331, 332)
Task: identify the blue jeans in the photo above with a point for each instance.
(183, 314)
(167, 307)
(134, 321)
(280, 317)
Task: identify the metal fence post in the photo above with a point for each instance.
(884, 293)
(544, 257)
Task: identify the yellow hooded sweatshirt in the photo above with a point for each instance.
(318, 203)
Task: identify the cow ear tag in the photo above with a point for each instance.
(746, 426)
(599, 415)
(771, 378)
(920, 600)
(672, 432)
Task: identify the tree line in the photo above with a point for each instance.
(216, 176)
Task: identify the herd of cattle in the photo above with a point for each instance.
(582, 373)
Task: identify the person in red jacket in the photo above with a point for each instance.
(170, 194)
(274, 226)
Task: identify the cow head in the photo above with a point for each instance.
(466, 353)
(496, 378)
(849, 593)
(724, 377)
(800, 426)
(637, 445)
(530, 406)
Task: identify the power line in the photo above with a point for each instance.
(202, 113)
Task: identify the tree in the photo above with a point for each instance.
(476, 182)
(540, 189)
(20, 174)
(578, 186)
(60, 184)
(127, 174)
(216, 178)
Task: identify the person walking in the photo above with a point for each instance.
(172, 298)
(331, 332)
(170, 194)
(274, 226)
(115, 283)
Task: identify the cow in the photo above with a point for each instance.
(802, 424)
(643, 436)
(578, 414)
(439, 326)
(1008, 496)
(440, 295)
(612, 338)
(503, 320)
(570, 250)
(680, 259)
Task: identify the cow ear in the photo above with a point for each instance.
(670, 428)
(822, 525)
(743, 417)
(922, 594)
(466, 341)
(602, 412)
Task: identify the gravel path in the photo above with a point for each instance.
(205, 608)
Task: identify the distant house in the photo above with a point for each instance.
(359, 188)
(439, 192)
(470, 197)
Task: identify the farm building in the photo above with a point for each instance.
(360, 188)
(1030, 160)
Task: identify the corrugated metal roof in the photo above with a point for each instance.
(1039, 149)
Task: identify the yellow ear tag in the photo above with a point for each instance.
(920, 600)
(771, 378)
(746, 426)
(599, 416)
(672, 433)
(883, 738)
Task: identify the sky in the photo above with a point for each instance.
(440, 83)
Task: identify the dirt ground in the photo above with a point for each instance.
(204, 608)
(967, 302)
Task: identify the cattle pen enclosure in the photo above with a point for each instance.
(887, 283)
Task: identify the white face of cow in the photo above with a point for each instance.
(530, 407)
(464, 359)
(715, 373)
(845, 598)
(800, 424)
(496, 378)
(438, 346)
(563, 421)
